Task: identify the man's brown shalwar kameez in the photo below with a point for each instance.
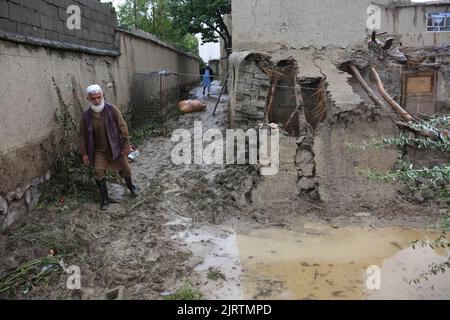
(103, 154)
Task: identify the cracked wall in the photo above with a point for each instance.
(324, 166)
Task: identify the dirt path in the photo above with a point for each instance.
(192, 223)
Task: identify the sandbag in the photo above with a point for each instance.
(188, 106)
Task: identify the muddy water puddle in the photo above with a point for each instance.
(326, 263)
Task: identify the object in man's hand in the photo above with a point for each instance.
(188, 106)
(134, 153)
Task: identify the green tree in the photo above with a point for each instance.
(205, 17)
(153, 16)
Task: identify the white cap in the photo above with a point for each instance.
(93, 88)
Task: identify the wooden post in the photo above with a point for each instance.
(221, 93)
(366, 87)
(394, 105)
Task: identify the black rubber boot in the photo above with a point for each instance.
(133, 189)
(104, 194)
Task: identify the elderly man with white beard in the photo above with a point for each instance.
(105, 142)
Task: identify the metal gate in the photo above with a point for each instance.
(153, 97)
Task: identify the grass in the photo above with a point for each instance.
(41, 271)
(216, 275)
(70, 178)
(138, 136)
(31, 273)
(185, 292)
(66, 248)
(183, 256)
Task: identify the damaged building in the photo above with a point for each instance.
(292, 68)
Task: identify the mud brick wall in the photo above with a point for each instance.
(47, 19)
(251, 96)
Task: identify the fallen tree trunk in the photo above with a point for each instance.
(366, 87)
(411, 123)
(394, 105)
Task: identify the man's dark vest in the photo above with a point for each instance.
(115, 140)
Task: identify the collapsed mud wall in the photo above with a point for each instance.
(427, 94)
(326, 168)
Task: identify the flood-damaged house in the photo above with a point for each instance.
(292, 65)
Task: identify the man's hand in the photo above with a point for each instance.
(86, 160)
(126, 150)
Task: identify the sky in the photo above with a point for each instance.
(207, 51)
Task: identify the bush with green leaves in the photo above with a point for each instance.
(433, 180)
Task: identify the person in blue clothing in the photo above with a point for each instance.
(207, 76)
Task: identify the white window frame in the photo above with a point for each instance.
(443, 15)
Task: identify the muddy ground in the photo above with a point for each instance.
(185, 222)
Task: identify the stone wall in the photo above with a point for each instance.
(250, 95)
(47, 19)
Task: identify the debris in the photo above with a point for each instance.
(28, 198)
(15, 211)
(48, 176)
(307, 170)
(9, 197)
(388, 44)
(19, 193)
(36, 182)
(118, 293)
(306, 184)
(3, 206)
(35, 195)
(363, 214)
(30, 272)
(397, 55)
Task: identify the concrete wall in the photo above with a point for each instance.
(408, 24)
(47, 19)
(40, 81)
(266, 25)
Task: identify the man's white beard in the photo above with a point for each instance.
(99, 108)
